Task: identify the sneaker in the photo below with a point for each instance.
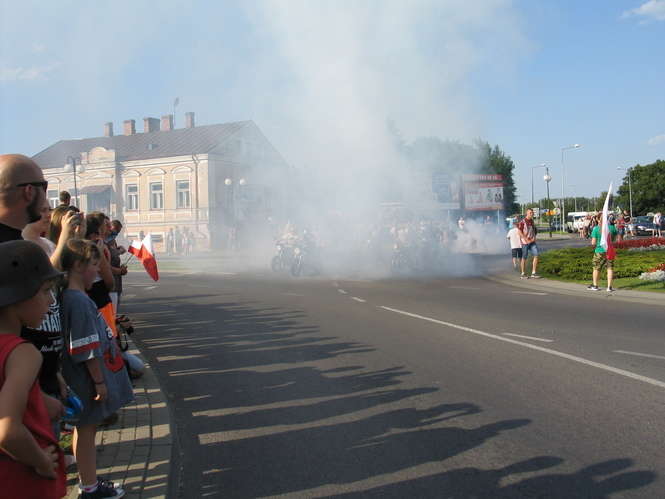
(610, 290)
(535, 276)
(524, 276)
(104, 489)
(591, 287)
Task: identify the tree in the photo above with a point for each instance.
(497, 162)
(648, 188)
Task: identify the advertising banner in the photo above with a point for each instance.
(446, 189)
(483, 192)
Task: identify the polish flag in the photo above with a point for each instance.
(605, 235)
(144, 252)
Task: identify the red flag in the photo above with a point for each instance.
(144, 252)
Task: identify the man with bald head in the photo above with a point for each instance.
(22, 194)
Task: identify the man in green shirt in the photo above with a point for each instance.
(600, 259)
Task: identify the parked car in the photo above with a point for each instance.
(642, 226)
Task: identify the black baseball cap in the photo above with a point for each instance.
(24, 267)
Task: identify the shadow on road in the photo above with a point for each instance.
(264, 405)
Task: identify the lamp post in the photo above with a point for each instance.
(547, 178)
(563, 181)
(541, 165)
(231, 184)
(630, 189)
(573, 187)
(71, 167)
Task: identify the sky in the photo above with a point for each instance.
(321, 77)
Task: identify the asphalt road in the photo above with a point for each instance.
(441, 387)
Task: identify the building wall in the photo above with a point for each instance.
(145, 217)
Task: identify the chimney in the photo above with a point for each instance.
(108, 129)
(189, 120)
(167, 123)
(129, 127)
(150, 125)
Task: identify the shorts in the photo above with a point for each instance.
(517, 252)
(531, 247)
(600, 260)
(622, 231)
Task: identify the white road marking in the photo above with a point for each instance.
(342, 291)
(149, 288)
(358, 299)
(128, 296)
(228, 273)
(537, 293)
(292, 294)
(574, 358)
(463, 287)
(638, 354)
(528, 337)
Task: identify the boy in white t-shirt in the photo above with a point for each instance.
(515, 244)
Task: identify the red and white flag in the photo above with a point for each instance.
(605, 234)
(144, 252)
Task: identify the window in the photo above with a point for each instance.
(182, 193)
(156, 196)
(53, 198)
(132, 196)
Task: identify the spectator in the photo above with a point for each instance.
(92, 363)
(169, 242)
(31, 462)
(96, 231)
(600, 259)
(621, 227)
(65, 198)
(117, 268)
(22, 194)
(657, 223)
(33, 232)
(515, 244)
(528, 233)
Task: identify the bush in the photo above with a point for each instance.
(640, 243)
(575, 263)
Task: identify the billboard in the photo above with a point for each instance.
(446, 189)
(483, 192)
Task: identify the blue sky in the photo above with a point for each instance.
(530, 76)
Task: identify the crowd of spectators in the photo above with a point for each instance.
(60, 290)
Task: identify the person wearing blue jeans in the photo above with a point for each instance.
(527, 229)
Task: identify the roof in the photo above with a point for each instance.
(178, 142)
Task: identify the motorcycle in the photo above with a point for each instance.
(283, 259)
(305, 258)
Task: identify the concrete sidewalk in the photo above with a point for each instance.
(574, 289)
(135, 452)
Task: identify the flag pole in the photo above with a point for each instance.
(131, 255)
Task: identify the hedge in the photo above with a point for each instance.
(575, 263)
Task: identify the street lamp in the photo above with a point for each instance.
(630, 189)
(541, 165)
(573, 187)
(563, 181)
(231, 184)
(547, 178)
(71, 167)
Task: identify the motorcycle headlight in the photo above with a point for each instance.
(297, 251)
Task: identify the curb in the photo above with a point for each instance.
(135, 452)
(572, 289)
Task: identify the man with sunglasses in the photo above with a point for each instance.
(22, 194)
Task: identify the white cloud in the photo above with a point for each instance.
(651, 10)
(657, 140)
(31, 73)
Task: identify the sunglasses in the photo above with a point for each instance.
(43, 184)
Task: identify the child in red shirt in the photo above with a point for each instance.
(31, 462)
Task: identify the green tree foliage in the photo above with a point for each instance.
(648, 185)
(448, 156)
(497, 162)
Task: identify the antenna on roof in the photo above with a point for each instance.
(176, 101)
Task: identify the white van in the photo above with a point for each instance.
(574, 220)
